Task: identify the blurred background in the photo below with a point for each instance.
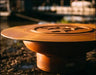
(15, 57)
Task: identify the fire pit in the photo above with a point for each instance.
(56, 45)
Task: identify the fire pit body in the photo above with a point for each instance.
(56, 45)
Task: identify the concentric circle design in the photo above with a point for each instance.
(52, 32)
(60, 29)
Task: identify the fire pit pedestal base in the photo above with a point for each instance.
(60, 56)
(61, 65)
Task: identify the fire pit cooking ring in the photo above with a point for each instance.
(60, 29)
(55, 44)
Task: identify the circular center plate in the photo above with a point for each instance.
(60, 29)
(52, 32)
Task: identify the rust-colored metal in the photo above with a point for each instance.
(56, 45)
(53, 56)
(52, 32)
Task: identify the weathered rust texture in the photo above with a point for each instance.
(55, 44)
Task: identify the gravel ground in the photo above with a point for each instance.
(16, 59)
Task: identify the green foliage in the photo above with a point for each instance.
(63, 21)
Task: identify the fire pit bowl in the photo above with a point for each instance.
(56, 45)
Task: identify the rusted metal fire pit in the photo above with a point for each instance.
(56, 45)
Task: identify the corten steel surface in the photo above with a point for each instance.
(56, 44)
(52, 32)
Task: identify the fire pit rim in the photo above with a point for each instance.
(16, 34)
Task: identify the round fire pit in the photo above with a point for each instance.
(56, 45)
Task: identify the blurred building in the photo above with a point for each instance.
(4, 8)
(81, 9)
